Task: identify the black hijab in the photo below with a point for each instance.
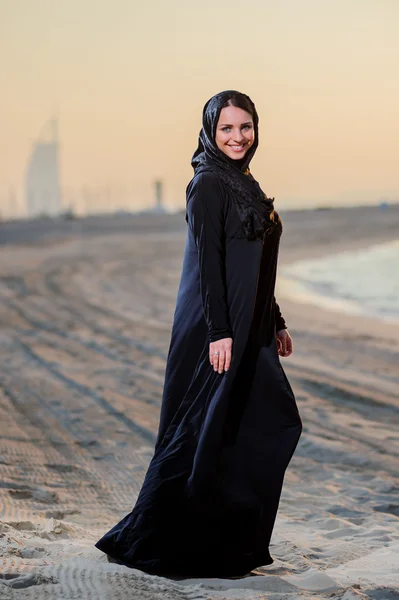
(255, 209)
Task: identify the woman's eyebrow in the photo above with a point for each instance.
(228, 125)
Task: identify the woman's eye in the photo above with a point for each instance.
(226, 129)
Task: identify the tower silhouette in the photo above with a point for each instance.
(158, 208)
(42, 179)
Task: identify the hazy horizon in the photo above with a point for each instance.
(128, 83)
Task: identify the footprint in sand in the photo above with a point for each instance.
(42, 496)
(31, 552)
(17, 581)
(61, 468)
(60, 514)
(21, 494)
(392, 509)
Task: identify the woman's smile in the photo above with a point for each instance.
(235, 131)
(238, 148)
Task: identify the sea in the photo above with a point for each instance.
(363, 282)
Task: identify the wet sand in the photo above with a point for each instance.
(85, 316)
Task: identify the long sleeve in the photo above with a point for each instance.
(205, 217)
(280, 322)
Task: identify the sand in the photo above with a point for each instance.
(85, 317)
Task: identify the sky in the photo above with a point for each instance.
(128, 82)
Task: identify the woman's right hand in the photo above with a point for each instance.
(222, 360)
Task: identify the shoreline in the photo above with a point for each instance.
(298, 288)
(318, 238)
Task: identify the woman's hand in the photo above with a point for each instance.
(220, 361)
(284, 343)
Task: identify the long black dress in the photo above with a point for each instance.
(211, 493)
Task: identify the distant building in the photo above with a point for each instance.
(42, 179)
(158, 208)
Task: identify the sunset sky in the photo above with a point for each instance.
(128, 81)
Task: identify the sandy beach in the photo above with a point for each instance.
(86, 309)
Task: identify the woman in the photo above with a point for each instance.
(229, 422)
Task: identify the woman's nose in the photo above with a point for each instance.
(238, 136)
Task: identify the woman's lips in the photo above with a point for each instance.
(237, 148)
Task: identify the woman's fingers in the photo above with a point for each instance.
(218, 364)
(220, 354)
(227, 362)
(284, 344)
(218, 361)
(288, 346)
(222, 361)
(214, 358)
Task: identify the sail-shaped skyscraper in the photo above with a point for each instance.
(42, 179)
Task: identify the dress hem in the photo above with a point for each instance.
(256, 562)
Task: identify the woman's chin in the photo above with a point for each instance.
(236, 155)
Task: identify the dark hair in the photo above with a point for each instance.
(240, 100)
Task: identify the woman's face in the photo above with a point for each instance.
(234, 132)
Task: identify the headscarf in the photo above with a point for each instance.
(255, 209)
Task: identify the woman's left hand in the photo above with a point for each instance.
(284, 343)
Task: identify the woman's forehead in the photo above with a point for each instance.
(233, 114)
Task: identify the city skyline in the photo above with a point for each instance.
(130, 82)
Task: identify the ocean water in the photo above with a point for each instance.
(363, 282)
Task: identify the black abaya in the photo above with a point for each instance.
(211, 493)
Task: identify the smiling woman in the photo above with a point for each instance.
(229, 422)
(235, 131)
